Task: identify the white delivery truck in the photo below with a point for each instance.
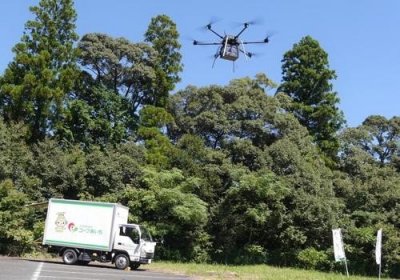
(83, 231)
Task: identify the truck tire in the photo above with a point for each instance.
(135, 265)
(70, 256)
(121, 261)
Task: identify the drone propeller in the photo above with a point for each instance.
(268, 36)
(188, 38)
(210, 23)
(208, 27)
(246, 25)
(250, 54)
(215, 57)
(255, 21)
(253, 54)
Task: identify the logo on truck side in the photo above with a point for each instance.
(61, 222)
(72, 227)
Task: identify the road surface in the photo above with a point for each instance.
(19, 269)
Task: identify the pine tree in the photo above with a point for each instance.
(35, 83)
(307, 80)
(163, 36)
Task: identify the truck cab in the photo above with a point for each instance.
(137, 242)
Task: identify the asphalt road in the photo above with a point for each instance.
(18, 269)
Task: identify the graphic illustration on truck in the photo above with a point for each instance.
(85, 231)
(61, 222)
(72, 227)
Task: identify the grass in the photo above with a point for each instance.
(256, 272)
(231, 272)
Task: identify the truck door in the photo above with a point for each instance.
(129, 240)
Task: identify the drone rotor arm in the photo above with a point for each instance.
(265, 41)
(205, 43)
(256, 42)
(246, 25)
(213, 31)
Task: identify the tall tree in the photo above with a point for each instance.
(307, 80)
(42, 73)
(125, 68)
(163, 36)
(384, 137)
(221, 115)
(153, 121)
(378, 136)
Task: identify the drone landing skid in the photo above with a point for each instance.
(233, 63)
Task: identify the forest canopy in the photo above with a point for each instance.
(244, 173)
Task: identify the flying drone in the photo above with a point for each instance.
(230, 46)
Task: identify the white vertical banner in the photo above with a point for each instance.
(338, 247)
(378, 251)
(378, 247)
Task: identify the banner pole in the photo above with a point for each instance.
(347, 271)
(379, 271)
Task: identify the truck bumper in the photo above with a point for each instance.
(147, 258)
(145, 261)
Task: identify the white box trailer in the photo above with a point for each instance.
(84, 231)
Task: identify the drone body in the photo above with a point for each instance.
(230, 46)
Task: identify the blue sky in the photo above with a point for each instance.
(361, 38)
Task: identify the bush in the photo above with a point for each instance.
(251, 254)
(311, 258)
(15, 236)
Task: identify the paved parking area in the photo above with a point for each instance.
(18, 269)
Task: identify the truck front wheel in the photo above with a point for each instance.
(121, 261)
(70, 256)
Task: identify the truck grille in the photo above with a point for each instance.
(149, 255)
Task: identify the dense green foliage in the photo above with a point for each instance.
(163, 36)
(306, 79)
(43, 72)
(229, 174)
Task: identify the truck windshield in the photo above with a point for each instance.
(145, 234)
(130, 232)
